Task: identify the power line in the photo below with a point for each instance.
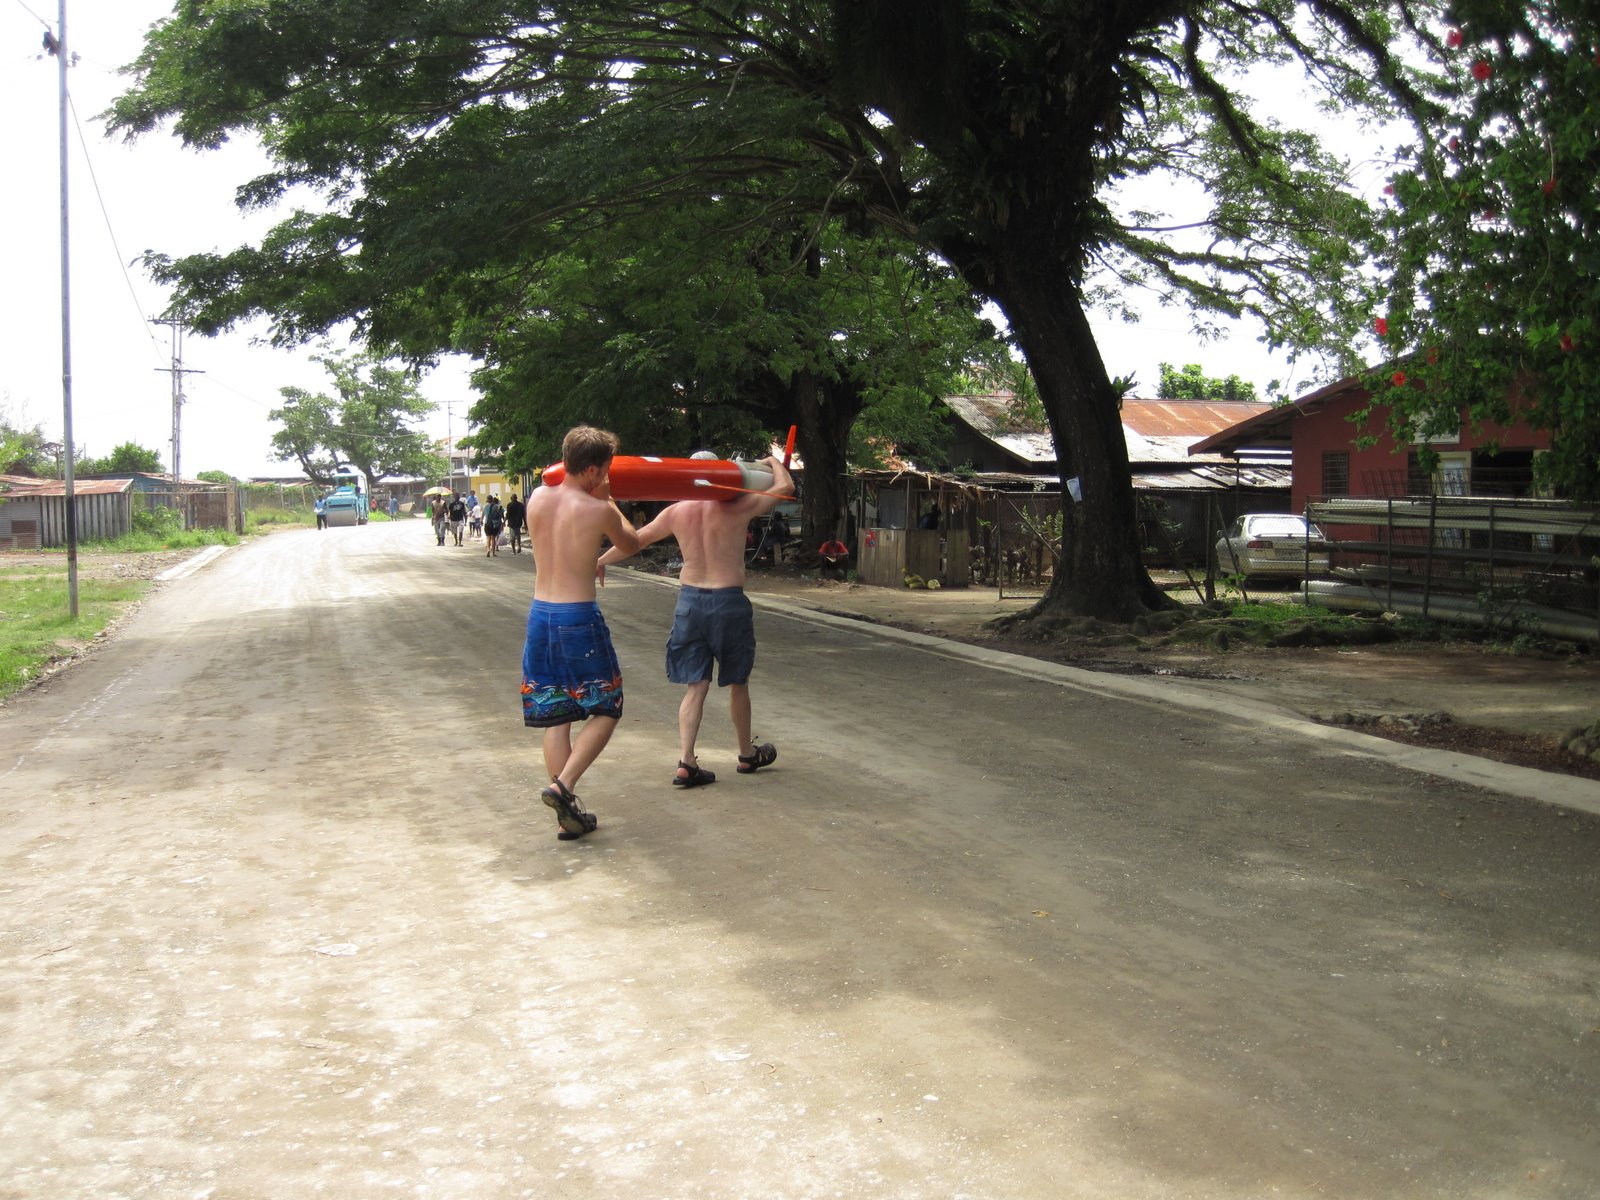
(47, 26)
(105, 215)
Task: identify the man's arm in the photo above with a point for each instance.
(646, 535)
(761, 503)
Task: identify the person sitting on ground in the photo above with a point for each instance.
(713, 622)
(834, 554)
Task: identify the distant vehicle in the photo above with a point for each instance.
(1271, 544)
(347, 504)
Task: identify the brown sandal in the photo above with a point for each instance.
(766, 754)
(570, 815)
(697, 776)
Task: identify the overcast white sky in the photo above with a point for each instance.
(153, 194)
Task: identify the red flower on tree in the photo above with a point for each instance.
(1481, 71)
(1567, 343)
(1398, 378)
(1549, 185)
(1453, 39)
(1382, 326)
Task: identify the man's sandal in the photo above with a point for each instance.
(766, 754)
(570, 815)
(696, 777)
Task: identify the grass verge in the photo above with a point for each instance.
(147, 541)
(36, 630)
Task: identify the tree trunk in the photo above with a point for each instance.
(824, 412)
(1101, 573)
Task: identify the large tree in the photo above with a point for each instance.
(1192, 383)
(805, 325)
(463, 141)
(25, 450)
(124, 459)
(365, 423)
(1495, 238)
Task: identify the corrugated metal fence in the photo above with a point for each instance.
(100, 517)
(40, 522)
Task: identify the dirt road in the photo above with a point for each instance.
(281, 920)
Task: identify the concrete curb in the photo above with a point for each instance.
(191, 564)
(1564, 791)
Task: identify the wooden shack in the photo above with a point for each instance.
(887, 556)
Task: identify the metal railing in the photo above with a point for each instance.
(1516, 563)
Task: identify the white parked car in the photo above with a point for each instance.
(1271, 544)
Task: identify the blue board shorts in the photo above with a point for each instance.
(569, 668)
(712, 624)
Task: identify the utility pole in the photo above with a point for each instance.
(450, 444)
(57, 45)
(178, 371)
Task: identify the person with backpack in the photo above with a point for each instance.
(494, 520)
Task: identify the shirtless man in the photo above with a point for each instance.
(713, 620)
(569, 669)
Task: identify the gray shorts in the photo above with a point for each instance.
(712, 624)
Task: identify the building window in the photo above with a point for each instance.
(1418, 481)
(1336, 472)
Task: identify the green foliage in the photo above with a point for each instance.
(498, 178)
(366, 422)
(1290, 623)
(623, 334)
(217, 477)
(268, 516)
(158, 522)
(162, 529)
(1191, 383)
(24, 451)
(38, 629)
(1493, 238)
(125, 459)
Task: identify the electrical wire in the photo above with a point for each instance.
(105, 215)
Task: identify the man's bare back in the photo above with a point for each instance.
(710, 533)
(566, 526)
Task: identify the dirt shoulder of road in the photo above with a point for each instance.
(1477, 699)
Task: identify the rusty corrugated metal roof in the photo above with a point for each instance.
(1193, 419)
(1161, 431)
(1156, 431)
(19, 487)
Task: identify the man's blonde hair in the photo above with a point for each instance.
(585, 447)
